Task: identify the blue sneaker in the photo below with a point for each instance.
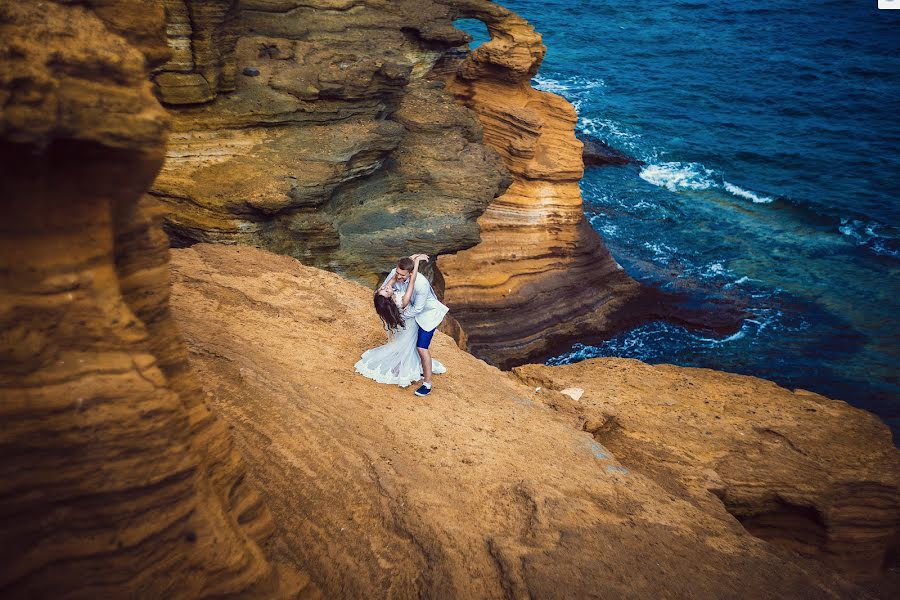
(423, 390)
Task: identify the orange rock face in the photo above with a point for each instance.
(491, 488)
(309, 129)
(800, 470)
(115, 478)
(119, 476)
(540, 276)
(346, 134)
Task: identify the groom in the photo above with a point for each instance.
(425, 307)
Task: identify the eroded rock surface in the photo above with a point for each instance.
(803, 471)
(333, 148)
(115, 478)
(541, 276)
(346, 133)
(489, 488)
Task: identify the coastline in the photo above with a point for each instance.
(186, 423)
(814, 265)
(503, 466)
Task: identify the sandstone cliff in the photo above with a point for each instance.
(115, 478)
(540, 277)
(345, 133)
(122, 476)
(659, 482)
(309, 129)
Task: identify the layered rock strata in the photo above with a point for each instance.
(116, 480)
(540, 277)
(347, 133)
(491, 488)
(309, 129)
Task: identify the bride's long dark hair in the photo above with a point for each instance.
(388, 311)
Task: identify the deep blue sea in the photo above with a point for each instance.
(771, 135)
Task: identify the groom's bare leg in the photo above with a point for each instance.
(425, 355)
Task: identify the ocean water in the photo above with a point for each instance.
(770, 133)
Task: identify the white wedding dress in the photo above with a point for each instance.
(397, 361)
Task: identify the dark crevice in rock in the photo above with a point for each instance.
(800, 528)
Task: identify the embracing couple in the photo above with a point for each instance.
(411, 312)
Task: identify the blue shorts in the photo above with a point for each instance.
(425, 338)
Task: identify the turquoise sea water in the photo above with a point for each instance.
(771, 136)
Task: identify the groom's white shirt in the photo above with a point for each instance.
(424, 304)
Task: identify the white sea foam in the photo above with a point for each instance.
(715, 270)
(742, 193)
(605, 128)
(600, 222)
(660, 250)
(675, 176)
(575, 89)
(678, 176)
(609, 229)
(760, 324)
(861, 231)
(547, 84)
(739, 281)
(579, 90)
(871, 235)
(567, 87)
(715, 342)
(617, 135)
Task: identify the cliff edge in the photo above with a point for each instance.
(500, 485)
(245, 459)
(345, 132)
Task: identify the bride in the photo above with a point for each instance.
(397, 361)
